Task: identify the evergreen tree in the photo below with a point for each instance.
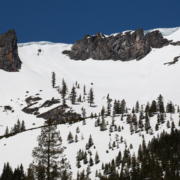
(170, 107)
(128, 118)
(131, 128)
(147, 122)
(96, 174)
(123, 106)
(7, 173)
(116, 107)
(82, 175)
(141, 115)
(50, 153)
(122, 117)
(153, 106)
(23, 128)
(18, 126)
(147, 109)
(91, 163)
(70, 138)
(40, 171)
(64, 89)
(102, 111)
(172, 125)
(111, 128)
(161, 118)
(90, 142)
(77, 130)
(133, 111)
(109, 106)
(79, 98)
(96, 124)
(7, 131)
(78, 164)
(53, 79)
(157, 127)
(91, 97)
(178, 110)
(17, 174)
(83, 112)
(102, 166)
(103, 125)
(158, 119)
(115, 127)
(76, 138)
(91, 115)
(22, 174)
(168, 124)
(84, 90)
(73, 95)
(96, 158)
(131, 146)
(134, 119)
(160, 104)
(88, 170)
(137, 107)
(85, 158)
(84, 121)
(30, 174)
(121, 139)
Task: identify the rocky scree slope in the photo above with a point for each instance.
(124, 46)
(9, 58)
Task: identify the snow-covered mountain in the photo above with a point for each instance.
(132, 80)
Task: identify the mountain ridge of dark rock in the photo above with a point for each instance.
(124, 46)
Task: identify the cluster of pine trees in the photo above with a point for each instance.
(63, 90)
(82, 156)
(9, 174)
(159, 159)
(119, 107)
(19, 126)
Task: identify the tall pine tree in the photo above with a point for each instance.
(50, 152)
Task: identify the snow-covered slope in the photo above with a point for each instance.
(164, 31)
(134, 80)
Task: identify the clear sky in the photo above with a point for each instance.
(66, 21)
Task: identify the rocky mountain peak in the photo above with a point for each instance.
(9, 58)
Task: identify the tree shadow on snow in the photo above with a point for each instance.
(93, 106)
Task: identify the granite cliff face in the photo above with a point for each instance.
(124, 46)
(9, 58)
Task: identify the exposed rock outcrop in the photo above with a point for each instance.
(49, 103)
(174, 61)
(9, 58)
(124, 46)
(31, 99)
(176, 43)
(60, 114)
(29, 110)
(7, 108)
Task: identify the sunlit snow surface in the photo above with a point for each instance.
(164, 31)
(135, 80)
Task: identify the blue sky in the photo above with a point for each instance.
(69, 20)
